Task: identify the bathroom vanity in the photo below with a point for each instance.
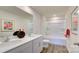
(28, 44)
(72, 44)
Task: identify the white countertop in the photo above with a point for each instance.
(15, 43)
(70, 44)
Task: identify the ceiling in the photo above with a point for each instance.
(16, 11)
(49, 11)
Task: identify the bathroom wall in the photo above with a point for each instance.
(56, 29)
(20, 20)
(37, 19)
(37, 22)
(43, 25)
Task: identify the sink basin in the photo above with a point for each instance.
(3, 39)
(76, 44)
(7, 39)
(12, 38)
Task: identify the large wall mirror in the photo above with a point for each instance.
(22, 20)
(74, 21)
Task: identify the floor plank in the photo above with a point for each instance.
(55, 49)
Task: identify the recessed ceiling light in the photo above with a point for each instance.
(55, 18)
(54, 15)
(54, 21)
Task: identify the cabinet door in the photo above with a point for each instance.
(41, 42)
(37, 45)
(25, 48)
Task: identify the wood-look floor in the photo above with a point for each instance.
(55, 49)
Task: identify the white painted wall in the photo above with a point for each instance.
(43, 25)
(37, 19)
(37, 23)
(56, 29)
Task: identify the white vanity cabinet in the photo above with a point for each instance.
(33, 46)
(25, 48)
(37, 45)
